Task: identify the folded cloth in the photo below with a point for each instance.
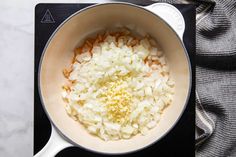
(216, 80)
(215, 77)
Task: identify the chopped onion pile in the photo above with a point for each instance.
(118, 85)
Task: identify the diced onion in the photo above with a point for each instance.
(119, 86)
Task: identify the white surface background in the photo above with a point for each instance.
(17, 73)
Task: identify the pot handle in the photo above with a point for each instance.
(54, 145)
(171, 15)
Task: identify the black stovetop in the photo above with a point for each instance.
(178, 142)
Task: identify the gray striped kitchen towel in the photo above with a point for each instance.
(215, 77)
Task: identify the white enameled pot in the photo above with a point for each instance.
(160, 20)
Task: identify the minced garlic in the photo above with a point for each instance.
(118, 102)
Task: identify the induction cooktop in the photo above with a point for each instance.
(178, 142)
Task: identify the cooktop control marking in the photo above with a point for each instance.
(47, 17)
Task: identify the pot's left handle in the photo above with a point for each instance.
(171, 15)
(55, 144)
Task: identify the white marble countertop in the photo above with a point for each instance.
(17, 73)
